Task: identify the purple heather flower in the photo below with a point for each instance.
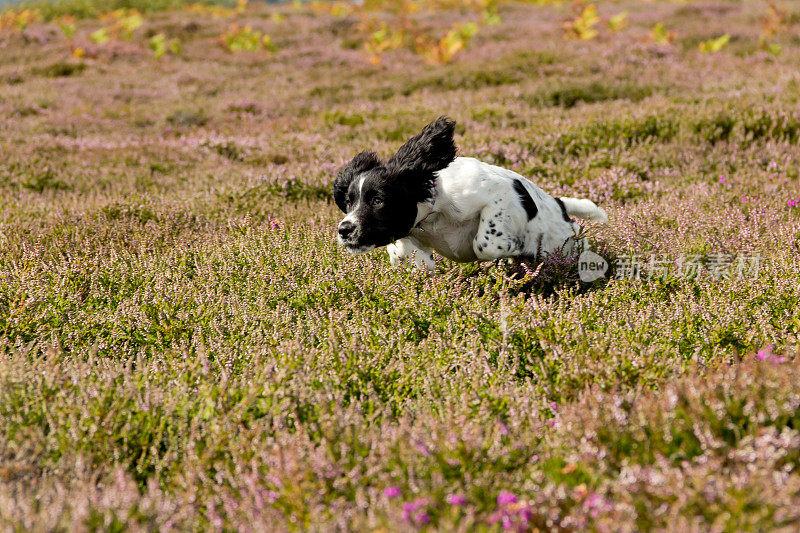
(554, 407)
(505, 497)
(594, 504)
(410, 511)
(411, 507)
(423, 449)
(392, 492)
(525, 513)
(456, 499)
(593, 500)
(503, 428)
(765, 353)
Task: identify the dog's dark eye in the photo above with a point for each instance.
(377, 202)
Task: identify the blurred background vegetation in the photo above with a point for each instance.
(91, 8)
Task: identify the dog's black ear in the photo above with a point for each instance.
(433, 149)
(361, 163)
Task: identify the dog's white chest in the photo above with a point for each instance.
(450, 238)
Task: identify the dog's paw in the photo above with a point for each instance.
(401, 253)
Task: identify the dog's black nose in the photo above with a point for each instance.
(346, 228)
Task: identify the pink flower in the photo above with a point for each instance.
(525, 513)
(414, 506)
(456, 499)
(594, 503)
(505, 497)
(593, 500)
(392, 492)
(411, 514)
(554, 407)
(765, 353)
(722, 179)
(511, 515)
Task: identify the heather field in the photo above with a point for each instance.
(184, 346)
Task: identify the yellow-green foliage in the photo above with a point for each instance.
(120, 24)
(160, 45)
(18, 19)
(444, 49)
(245, 39)
(714, 45)
(100, 36)
(217, 10)
(67, 25)
(661, 35)
(618, 21)
(583, 26)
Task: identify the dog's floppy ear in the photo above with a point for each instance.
(433, 149)
(361, 163)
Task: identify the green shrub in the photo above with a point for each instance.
(571, 93)
(188, 118)
(61, 69)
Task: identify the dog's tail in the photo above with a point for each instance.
(585, 209)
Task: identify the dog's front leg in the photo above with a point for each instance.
(404, 249)
(499, 232)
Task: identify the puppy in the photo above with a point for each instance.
(425, 199)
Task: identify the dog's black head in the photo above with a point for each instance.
(380, 199)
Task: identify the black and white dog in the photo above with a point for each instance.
(425, 198)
